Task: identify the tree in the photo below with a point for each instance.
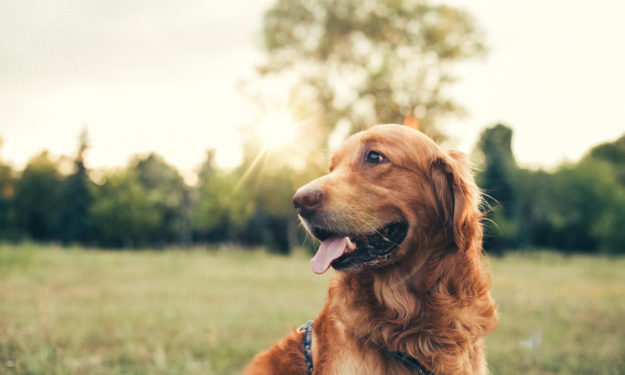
(123, 212)
(274, 222)
(222, 207)
(270, 178)
(363, 63)
(349, 65)
(75, 225)
(578, 207)
(580, 197)
(499, 168)
(609, 228)
(37, 198)
(612, 153)
(498, 179)
(166, 189)
(534, 191)
(7, 192)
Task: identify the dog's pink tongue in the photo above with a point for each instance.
(329, 250)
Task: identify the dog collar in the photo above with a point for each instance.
(409, 362)
(306, 329)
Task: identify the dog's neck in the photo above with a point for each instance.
(418, 312)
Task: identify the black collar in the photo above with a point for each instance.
(307, 330)
(409, 362)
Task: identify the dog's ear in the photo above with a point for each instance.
(458, 198)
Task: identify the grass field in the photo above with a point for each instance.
(207, 312)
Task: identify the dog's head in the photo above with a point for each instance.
(390, 191)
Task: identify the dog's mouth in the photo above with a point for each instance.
(346, 251)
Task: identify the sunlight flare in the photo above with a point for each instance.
(277, 128)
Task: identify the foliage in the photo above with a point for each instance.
(498, 181)
(75, 224)
(577, 207)
(123, 212)
(349, 64)
(498, 174)
(7, 192)
(222, 208)
(365, 63)
(271, 184)
(165, 188)
(612, 153)
(37, 200)
(579, 197)
(501, 231)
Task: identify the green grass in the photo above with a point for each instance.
(558, 315)
(207, 312)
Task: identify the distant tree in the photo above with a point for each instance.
(498, 179)
(275, 220)
(75, 225)
(499, 166)
(534, 191)
(7, 192)
(6, 195)
(578, 207)
(221, 207)
(579, 198)
(123, 213)
(37, 198)
(609, 229)
(363, 63)
(612, 153)
(271, 182)
(348, 65)
(165, 187)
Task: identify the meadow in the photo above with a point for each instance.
(76, 311)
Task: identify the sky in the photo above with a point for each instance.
(165, 76)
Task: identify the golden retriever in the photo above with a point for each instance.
(399, 219)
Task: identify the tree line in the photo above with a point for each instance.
(146, 204)
(576, 207)
(348, 65)
(351, 65)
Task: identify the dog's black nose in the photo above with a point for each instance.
(307, 200)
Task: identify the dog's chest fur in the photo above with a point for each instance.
(348, 361)
(352, 366)
(342, 355)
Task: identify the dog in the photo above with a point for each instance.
(399, 219)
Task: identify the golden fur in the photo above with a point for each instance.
(431, 297)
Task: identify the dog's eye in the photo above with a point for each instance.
(374, 157)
